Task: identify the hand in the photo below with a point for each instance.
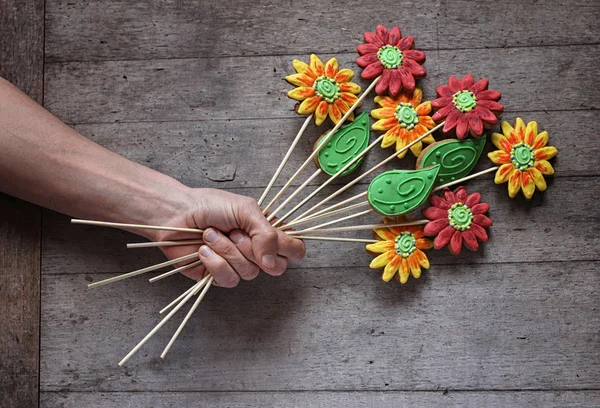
(238, 240)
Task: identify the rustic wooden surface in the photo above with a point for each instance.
(21, 62)
(195, 89)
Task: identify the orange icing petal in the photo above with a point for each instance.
(514, 183)
(415, 268)
(331, 68)
(344, 75)
(501, 142)
(424, 108)
(316, 65)
(424, 243)
(385, 102)
(389, 271)
(349, 98)
(302, 93)
(384, 234)
(422, 258)
(427, 122)
(385, 124)
(538, 178)
(541, 140)
(321, 112)
(499, 157)
(531, 132)
(300, 80)
(527, 185)
(383, 113)
(544, 167)
(350, 87)
(334, 113)
(309, 105)
(404, 271)
(545, 153)
(520, 129)
(503, 173)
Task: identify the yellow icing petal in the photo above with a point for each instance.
(514, 183)
(321, 112)
(301, 93)
(499, 157)
(385, 124)
(381, 246)
(299, 66)
(300, 80)
(531, 132)
(404, 271)
(520, 128)
(546, 153)
(541, 140)
(429, 139)
(390, 270)
(344, 75)
(504, 173)
(544, 167)
(380, 261)
(309, 105)
(498, 138)
(422, 258)
(527, 185)
(417, 97)
(507, 129)
(416, 148)
(538, 178)
(415, 269)
(384, 234)
(383, 113)
(350, 87)
(385, 101)
(388, 139)
(331, 68)
(317, 65)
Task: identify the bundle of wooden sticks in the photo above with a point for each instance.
(464, 108)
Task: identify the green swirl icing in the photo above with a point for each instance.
(345, 144)
(397, 192)
(456, 158)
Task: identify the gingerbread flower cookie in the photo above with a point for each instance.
(523, 157)
(400, 251)
(387, 54)
(404, 119)
(467, 106)
(323, 89)
(456, 219)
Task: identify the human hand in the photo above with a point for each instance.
(238, 240)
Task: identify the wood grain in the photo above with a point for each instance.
(502, 326)
(21, 62)
(389, 399)
(140, 29)
(201, 89)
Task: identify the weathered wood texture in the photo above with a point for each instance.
(165, 29)
(390, 399)
(21, 62)
(154, 81)
(476, 327)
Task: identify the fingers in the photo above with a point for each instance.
(244, 244)
(292, 248)
(224, 251)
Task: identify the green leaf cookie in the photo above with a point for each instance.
(345, 144)
(397, 192)
(456, 158)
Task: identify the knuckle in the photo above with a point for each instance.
(271, 235)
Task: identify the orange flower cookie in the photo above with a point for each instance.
(323, 89)
(399, 251)
(523, 157)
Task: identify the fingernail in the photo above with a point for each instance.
(236, 237)
(268, 261)
(206, 251)
(211, 235)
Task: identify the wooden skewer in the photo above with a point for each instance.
(284, 161)
(356, 180)
(165, 243)
(178, 299)
(142, 226)
(326, 215)
(187, 317)
(331, 178)
(329, 209)
(339, 239)
(469, 177)
(326, 138)
(358, 227)
(348, 217)
(174, 271)
(143, 270)
(162, 322)
(291, 197)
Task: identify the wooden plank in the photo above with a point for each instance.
(478, 327)
(393, 399)
(216, 153)
(168, 29)
(253, 88)
(560, 225)
(21, 62)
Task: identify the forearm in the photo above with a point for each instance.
(45, 162)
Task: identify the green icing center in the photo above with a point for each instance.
(390, 56)
(406, 244)
(327, 88)
(460, 216)
(521, 156)
(406, 115)
(465, 101)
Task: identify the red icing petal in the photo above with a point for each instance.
(367, 49)
(443, 237)
(473, 199)
(372, 71)
(440, 102)
(462, 128)
(406, 43)
(482, 220)
(384, 82)
(373, 39)
(451, 120)
(394, 36)
(408, 81)
(435, 227)
(470, 240)
(461, 194)
(434, 213)
(439, 202)
(485, 114)
(456, 243)
(366, 60)
(454, 84)
(467, 81)
(395, 82)
(414, 68)
(449, 196)
(480, 208)
(475, 124)
(479, 86)
(442, 113)
(479, 232)
(382, 32)
(416, 55)
(491, 105)
(489, 94)
(444, 90)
